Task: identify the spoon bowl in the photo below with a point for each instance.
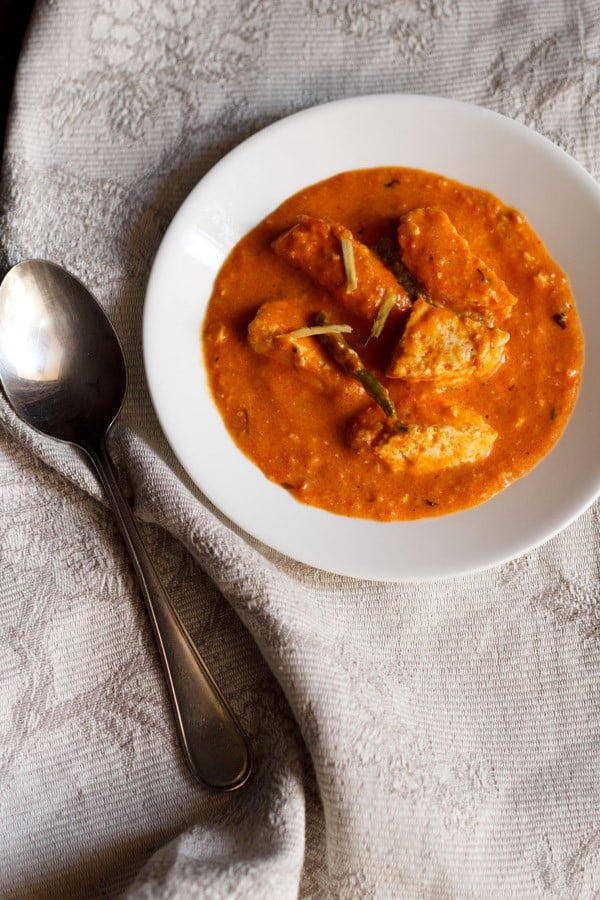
(63, 372)
(61, 364)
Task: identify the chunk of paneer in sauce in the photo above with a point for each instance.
(459, 437)
(315, 246)
(442, 347)
(444, 265)
(269, 334)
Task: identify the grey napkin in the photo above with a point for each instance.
(413, 741)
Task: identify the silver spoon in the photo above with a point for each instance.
(63, 372)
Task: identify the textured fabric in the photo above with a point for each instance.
(418, 741)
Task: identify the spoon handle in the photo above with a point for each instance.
(215, 747)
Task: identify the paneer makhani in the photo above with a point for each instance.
(391, 344)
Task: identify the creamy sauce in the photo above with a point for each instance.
(296, 429)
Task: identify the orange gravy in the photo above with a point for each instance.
(297, 433)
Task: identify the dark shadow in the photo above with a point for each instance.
(14, 18)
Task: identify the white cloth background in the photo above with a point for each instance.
(413, 741)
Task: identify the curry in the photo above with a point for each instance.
(391, 344)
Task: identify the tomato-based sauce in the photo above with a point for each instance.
(301, 417)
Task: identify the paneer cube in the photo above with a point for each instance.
(442, 262)
(460, 437)
(315, 246)
(270, 333)
(442, 347)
